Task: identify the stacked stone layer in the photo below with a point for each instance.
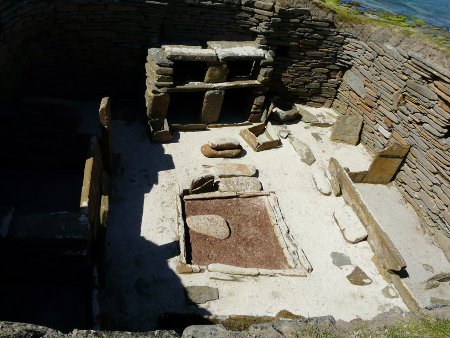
(404, 98)
(98, 47)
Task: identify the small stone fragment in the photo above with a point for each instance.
(211, 153)
(347, 129)
(239, 184)
(224, 144)
(284, 133)
(285, 314)
(340, 259)
(307, 117)
(281, 115)
(321, 182)
(209, 225)
(359, 277)
(234, 170)
(202, 184)
(304, 151)
(351, 227)
(200, 294)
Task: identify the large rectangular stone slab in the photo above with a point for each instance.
(347, 129)
(378, 240)
(386, 164)
(212, 105)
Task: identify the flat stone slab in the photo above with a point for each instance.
(304, 151)
(239, 184)
(209, 225)
(234, 169)
(351, 227)
(347, 129)
(359, 277)
(224, 143)
(321, 181)
(200, 294)
(183, 53)
(211, 153)
(202, 184)
(386, 164)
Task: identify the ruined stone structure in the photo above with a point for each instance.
(194, 61)
(404, 98)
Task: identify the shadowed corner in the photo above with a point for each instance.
(141, 291)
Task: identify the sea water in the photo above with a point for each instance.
(433, 12)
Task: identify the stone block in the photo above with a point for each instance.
(157, 105)
(347, 129)
(239, 184)
(378, 240)
(159, 131)
(386, 164)
(217, 73)
(212, 104)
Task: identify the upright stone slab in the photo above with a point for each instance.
(217, 73)
(212, 104)
(386, 164)
(157, 105)
(347, 129)
(106, 138)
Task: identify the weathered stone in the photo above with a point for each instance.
(217, 73)
(422, 90)
(284, 133)
(210, 152)
(354, 82)
(159, 131)
(281, 115)
(157, 105)
(224, 143)
(359, 277)
(261, 137)
(202, 184)
(380, 243)
(212, 104)
(209, 225)
(240, 184)
(386, 164)
(184, 53)
(304, 151)
(321, 182)
(200, 294)
(307, 117)
(203, 331)
(351, 227)
(234, 169)
(347, 129)
(333, 179)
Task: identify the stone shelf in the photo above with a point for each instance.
(203, 86)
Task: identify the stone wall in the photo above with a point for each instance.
(404, 97)
(74, 47)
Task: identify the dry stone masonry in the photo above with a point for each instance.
(404, 98)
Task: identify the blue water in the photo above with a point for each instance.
(433, 12)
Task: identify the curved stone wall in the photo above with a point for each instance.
(99, 47)
(404, 97)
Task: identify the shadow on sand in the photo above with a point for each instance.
(141, 291)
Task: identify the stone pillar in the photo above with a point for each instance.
(217, 73)
(106, 138)
(157, 105)
(212, 104)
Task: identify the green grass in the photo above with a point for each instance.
(406, 24)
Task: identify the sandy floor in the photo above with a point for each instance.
(142, 233)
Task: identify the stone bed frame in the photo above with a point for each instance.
(295, 256)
